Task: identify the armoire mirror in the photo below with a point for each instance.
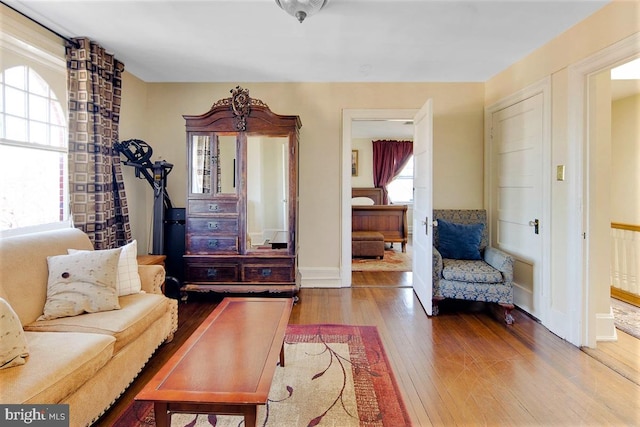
(267, 192)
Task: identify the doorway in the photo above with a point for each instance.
(349, 117)
(591, 320)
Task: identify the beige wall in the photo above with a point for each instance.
(625, 155)
(458, 143)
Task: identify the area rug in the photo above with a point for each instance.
(335, 375)
(626, 317)
(392, 261)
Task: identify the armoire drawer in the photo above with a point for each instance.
(199, 244)
(213, 272)
(203, 207)
(216, 225)
(267, 273)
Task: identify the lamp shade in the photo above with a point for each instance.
(301, 8)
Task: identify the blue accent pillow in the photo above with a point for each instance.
(459, 241)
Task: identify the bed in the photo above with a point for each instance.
(388, 220)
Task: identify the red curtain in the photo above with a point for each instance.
(389, 157)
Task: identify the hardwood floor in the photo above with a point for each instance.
(464, 367)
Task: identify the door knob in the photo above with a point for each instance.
(536, 225)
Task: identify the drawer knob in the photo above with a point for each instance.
(266, 272)
(212, 243)
(212, 273)
(213, 225)
(213, 207)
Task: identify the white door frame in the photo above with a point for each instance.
(583, 321)
(543, 294)
(348, 115)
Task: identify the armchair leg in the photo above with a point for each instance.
(508, 317)
(435, 309)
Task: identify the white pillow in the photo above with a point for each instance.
(81, 282)
(13, 343)
(361, 201)
(128, 281)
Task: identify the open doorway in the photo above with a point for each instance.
(592, 319)
(360, 127)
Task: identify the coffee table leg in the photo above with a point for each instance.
(282, 355)
(163, 418)
(250, 416)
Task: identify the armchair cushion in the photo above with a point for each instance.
(470, 271)
(460, 241)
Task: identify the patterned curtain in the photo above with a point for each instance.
(98, 202)
(389, 157)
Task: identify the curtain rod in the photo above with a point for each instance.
(73, 42)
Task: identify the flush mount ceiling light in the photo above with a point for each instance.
(301, 8)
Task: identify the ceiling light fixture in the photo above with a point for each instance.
(301, 8)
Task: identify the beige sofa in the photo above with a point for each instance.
(88, 360)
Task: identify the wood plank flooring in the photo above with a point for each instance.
(464, 367)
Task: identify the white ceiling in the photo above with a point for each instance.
(348, 41)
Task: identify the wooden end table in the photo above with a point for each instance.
(227, 365)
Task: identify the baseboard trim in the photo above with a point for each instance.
(606, 327)
(320, 278)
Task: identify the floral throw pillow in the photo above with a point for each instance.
(83, 282)
(13, 344)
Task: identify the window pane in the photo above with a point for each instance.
(56, 115)
(38, 108)
(32, 191)
(15, 77)
(58, 136)
(16, 102)
(37, 84)
(38, 133)
(16, 129)
(401, 190)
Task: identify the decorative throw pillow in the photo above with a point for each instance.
(459, 241)
(128, 280)
(13, 344)
(81, 282)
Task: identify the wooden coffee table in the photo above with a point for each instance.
(227, 365)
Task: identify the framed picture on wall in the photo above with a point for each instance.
(354, 162)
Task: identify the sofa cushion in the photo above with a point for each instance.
(58, 365)
(470, 271)
(137, 312)
(459, 241)
(128, 279)
(13, 344)
(83, 282)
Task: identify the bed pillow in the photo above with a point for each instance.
(361, 201)
(128, 280)
(459, 241)
(83, 282)
(13, 343)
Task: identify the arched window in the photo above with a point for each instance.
(33, 151)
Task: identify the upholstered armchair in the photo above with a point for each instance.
(464, 267)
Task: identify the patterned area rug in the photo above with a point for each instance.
(335, 375)
(626, 317)
(392, 261)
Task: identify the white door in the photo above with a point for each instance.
(422, 205)
(516, 200)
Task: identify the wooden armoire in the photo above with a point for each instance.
(242, 207)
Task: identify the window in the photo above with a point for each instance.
(33, 151)
(401, 188)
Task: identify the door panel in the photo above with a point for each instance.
(422, 205)
(516, 167)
